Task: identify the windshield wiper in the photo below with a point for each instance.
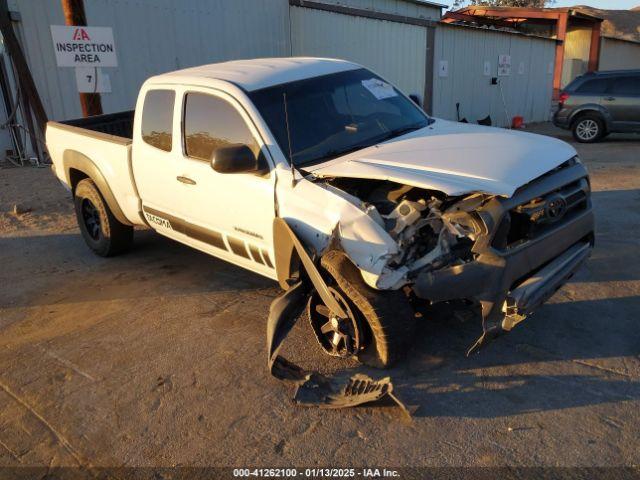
(331, 154)
(338, 153)
(401, 131)
(392, 134)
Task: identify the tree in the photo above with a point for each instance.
(504, 3)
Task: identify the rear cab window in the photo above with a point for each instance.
(157, 119)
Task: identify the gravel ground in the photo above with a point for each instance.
(157, 357)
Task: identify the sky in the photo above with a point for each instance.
(606, 4)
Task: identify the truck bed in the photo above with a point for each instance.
(118, 124)
(99, 147)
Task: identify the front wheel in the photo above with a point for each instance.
(588, 129)
(380, 324)
(101, 231)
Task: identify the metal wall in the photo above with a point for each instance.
(154, 36)
(397, 7)
(151, 37)
(465, 49)
(577, 46)
(396, 51)
(619, 54)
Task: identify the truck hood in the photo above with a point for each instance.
(454, 158)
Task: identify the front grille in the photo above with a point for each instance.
(538, 215)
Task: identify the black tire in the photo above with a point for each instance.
(101, 231)
(588, 128)
(387, 316)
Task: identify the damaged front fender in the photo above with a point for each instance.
(312, 388)
(286, 242)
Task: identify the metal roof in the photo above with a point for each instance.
(427, 3)
(525, 12)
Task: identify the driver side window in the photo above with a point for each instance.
(211, 123)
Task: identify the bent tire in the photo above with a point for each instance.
(588, 128)
(101, 231)
(386, 316)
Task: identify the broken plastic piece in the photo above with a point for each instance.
(492, 317)
(320, 391)
(283, 315)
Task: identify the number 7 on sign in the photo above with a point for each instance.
(86, 78)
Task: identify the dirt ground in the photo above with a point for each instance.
(157, 357)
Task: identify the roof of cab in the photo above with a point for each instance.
(257, 74)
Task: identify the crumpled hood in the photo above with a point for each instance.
(454, 158)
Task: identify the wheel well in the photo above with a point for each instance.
(585, 113)
(75, 176)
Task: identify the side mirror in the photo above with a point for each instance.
(234, 159)
(416, 99)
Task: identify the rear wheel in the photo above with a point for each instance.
(379, 324)
(101, 231)
(588, 129)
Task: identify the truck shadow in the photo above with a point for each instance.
(473, 395)
(60, 268)
(568, 355)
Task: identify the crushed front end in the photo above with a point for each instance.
(529, 246)
(508, 255)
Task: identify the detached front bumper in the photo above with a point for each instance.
(537, 289)
(497, 273)
(511, 280)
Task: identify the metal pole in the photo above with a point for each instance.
(74, 15)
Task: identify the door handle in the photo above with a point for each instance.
(186, 180)
(609, 99)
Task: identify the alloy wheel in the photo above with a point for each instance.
(587, 129)
(339, 337)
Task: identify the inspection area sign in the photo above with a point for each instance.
(84, 46)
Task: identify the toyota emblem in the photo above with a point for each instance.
(555, 208)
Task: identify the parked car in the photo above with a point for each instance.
(321, 175)
(599, 103)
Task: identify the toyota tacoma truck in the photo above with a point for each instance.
(320, 173)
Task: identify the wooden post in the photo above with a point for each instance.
(74, 15)
(561, 35)
(594, 50)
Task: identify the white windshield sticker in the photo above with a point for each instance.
(379, 89)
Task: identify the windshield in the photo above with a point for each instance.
(335, 114)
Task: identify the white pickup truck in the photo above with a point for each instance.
(321, 175)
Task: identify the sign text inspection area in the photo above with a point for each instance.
(84, 46)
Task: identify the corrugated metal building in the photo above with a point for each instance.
(617, 54)
(577, 47)
(407, 8)
(155, 36)
(396, 38)
(466, 62)
(151, 37)
(392, 37)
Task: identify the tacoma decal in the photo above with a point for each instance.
(163, 222)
